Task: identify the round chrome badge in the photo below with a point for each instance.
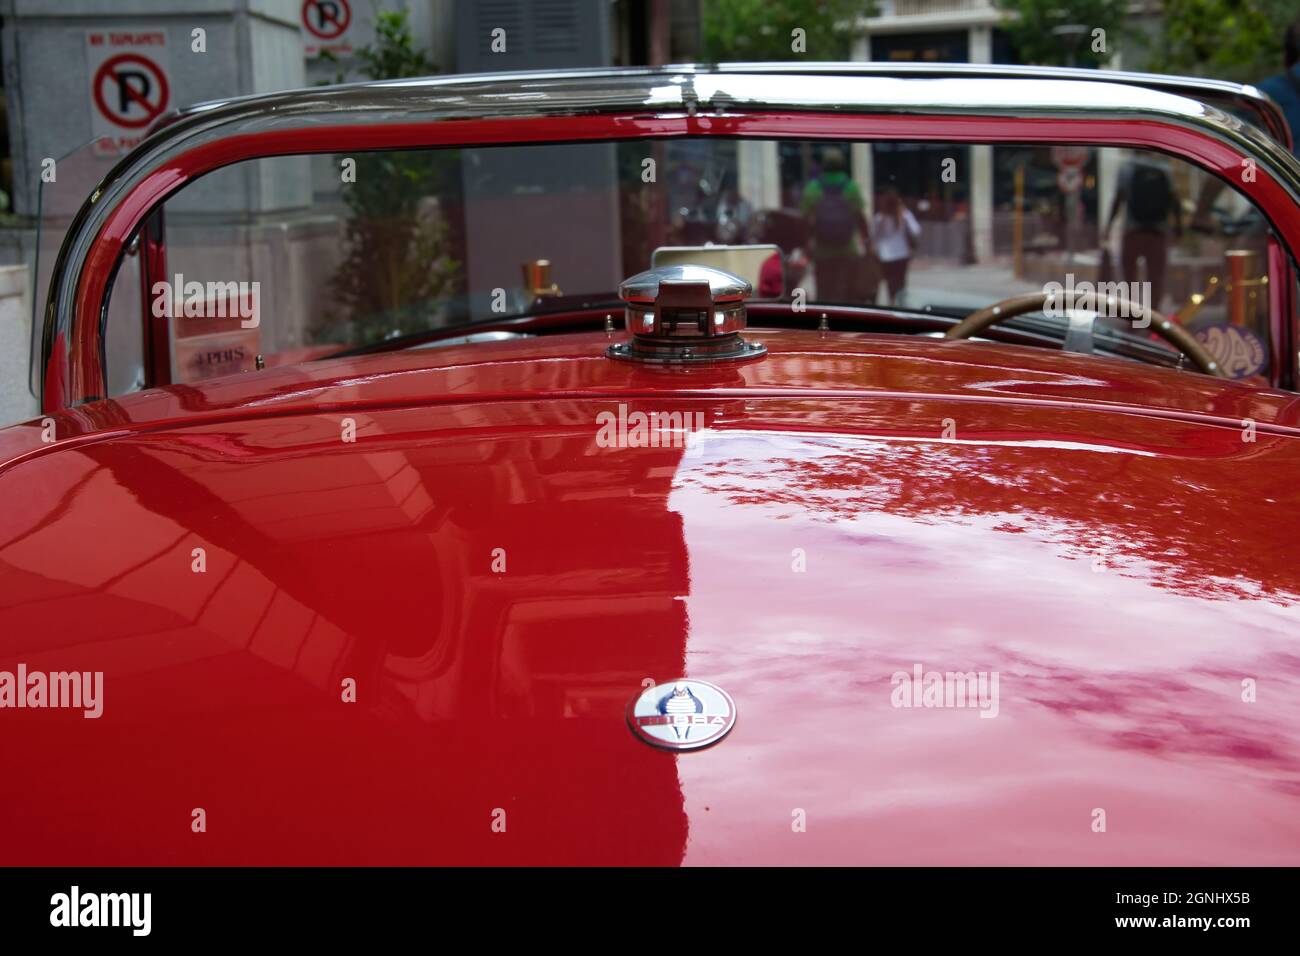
(682, 714)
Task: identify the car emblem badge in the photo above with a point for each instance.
(682, 714)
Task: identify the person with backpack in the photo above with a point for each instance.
(896, 234)
(1285, 88)
(1151, 211)
(833, 206)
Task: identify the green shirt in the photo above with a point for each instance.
(812, 196)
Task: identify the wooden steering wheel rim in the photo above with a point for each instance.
(1170, 331)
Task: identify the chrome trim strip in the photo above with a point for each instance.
(1212, 92)
(865, 89)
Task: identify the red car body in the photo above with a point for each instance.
(498, 585)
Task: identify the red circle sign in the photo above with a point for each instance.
(331, 17)
(149, 92)
(1069, 179)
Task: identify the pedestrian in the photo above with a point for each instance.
(833, 205)
(896, 233)
(1285, 87)
(1151, 212)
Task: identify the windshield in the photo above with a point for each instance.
(338, 252)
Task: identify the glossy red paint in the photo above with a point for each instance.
(83, 376)
(1096, 531)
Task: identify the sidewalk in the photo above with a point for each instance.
(945, 284)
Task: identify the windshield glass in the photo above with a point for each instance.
(346, 251)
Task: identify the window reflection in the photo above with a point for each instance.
(407, 242)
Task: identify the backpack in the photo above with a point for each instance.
(835, 217)
(1150, 197)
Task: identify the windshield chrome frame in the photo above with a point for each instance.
(843, 101)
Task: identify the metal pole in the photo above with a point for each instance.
(1018, 225)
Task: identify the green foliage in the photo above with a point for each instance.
(1239, 40)
(753, 30)
(393, 55)
(399, 252)
(1033, 22)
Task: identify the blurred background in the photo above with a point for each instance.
(84, 79)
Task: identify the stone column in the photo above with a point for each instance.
(981, 163)
(860, 154)
(759, 173)
(1109, 163)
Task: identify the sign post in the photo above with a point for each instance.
(1070, 161)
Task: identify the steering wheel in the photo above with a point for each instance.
(1078, 338)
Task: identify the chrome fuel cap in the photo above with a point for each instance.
(682, 314)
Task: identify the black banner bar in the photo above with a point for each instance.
(330, 905)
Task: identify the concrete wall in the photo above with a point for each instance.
(252, 46)
(262, 221)
(249, 46)
(16, 402)
(575, 185)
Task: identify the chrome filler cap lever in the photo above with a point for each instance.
(683, 314)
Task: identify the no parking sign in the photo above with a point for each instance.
(325, 26)
(129, 85)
